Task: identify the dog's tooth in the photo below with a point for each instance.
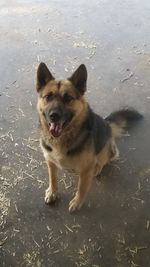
(52, 126)
(57, 128)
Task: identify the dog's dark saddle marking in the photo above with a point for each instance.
(95, 129)
(59, 84)
(101, 132)
(47, 147)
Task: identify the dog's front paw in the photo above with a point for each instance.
(50, 196)
(75, 204)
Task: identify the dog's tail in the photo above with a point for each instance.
(122, 119)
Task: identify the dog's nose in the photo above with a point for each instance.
(55, 115)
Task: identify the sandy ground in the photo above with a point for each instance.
(113, 39)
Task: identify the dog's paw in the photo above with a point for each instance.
(50, 196)
(75, 204)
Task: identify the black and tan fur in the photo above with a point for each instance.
(87, 141)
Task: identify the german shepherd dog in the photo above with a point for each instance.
(73, 137)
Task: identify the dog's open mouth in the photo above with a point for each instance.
(55, 128)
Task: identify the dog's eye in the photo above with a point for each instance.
(67, 98)
(49, 96)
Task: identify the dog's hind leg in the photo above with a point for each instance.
(51, 192)
(114, 152)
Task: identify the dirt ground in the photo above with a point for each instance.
(113, 228)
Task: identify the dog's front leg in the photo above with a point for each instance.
(51, 192)
(84, 184)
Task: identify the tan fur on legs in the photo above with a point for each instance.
(51, 192)
(84, 184)
(114, 151)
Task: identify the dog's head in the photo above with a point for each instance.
(60, 102)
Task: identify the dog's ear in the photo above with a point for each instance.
(79, 78)
(43, 76)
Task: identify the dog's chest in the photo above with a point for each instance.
(60, 158)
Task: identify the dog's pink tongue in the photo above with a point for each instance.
(55, 129)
